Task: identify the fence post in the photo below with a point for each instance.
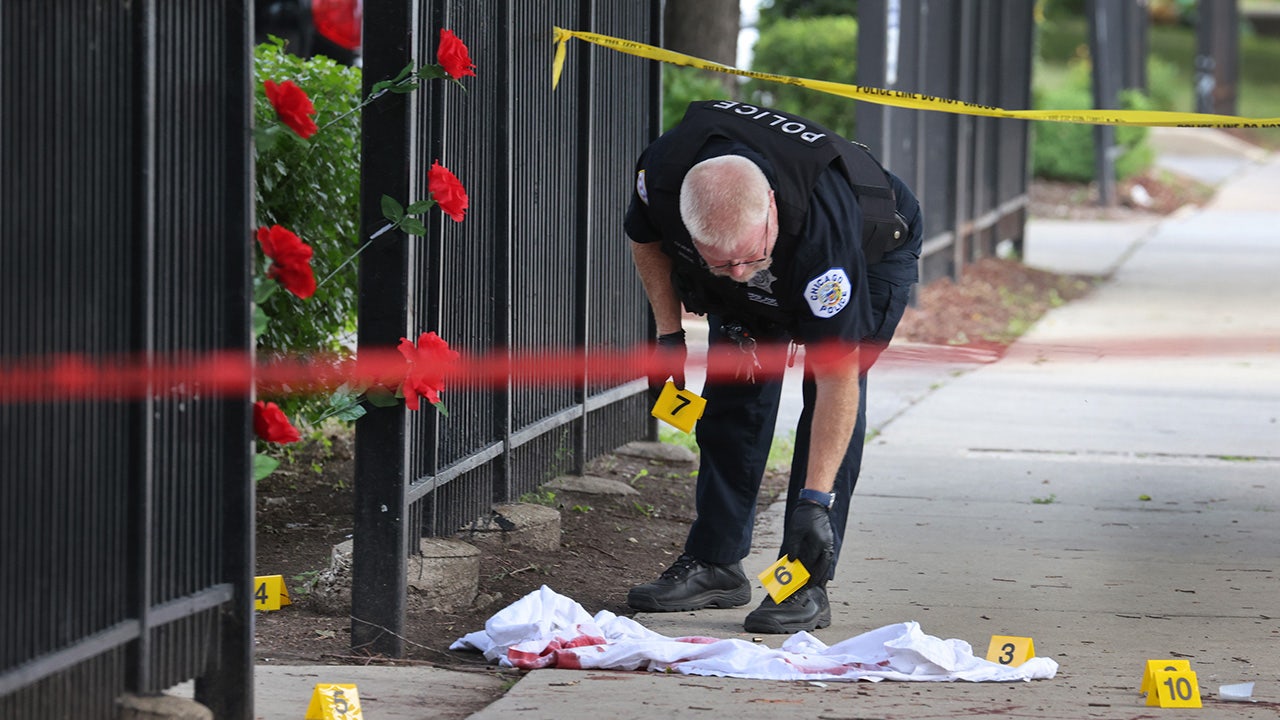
(1104, 24)
(1217, 56)
(1137, 24)
(379, 559)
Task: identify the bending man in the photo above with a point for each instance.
(780, 231)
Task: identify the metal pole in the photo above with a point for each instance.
(1102, 23)
(1136, 21)
(1217, 56)
(870, 118)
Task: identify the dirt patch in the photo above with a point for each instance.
(1155, 192)
(609, 543)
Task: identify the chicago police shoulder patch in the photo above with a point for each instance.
(828, 293)
(641, 190)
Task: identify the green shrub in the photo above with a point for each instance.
(1165, 87)
(312, 188)
(683, 85)
(820, 48)
(1064, 151)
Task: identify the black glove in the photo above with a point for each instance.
(811, 540)
(669, 355)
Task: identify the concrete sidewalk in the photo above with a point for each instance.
(1110, 488)
(1009, 498)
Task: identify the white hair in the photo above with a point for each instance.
(721, 199)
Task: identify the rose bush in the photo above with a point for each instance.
(288, 260)
(292, 106)
(425, 360)
(272, 425)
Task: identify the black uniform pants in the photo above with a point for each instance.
(734, 437)
(736, 429)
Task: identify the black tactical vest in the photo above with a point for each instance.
(799, 151)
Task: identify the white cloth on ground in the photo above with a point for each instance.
(545, 629)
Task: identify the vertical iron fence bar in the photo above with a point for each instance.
(1019, 34)
(228, 690)
(585, 205)
(503, 403)
(655, 129)
(138, 673)
(379, 583)
(432, 316)
(983, 147)
(920, 31)
(1028, 50)
(936, 187)
(966, 129)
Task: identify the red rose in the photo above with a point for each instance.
(447, 191)
(290, 260)
(426, 368)
(453, 57)
(293, 107)
(271, 424)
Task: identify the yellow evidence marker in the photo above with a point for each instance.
(334, 702)
(1010, 650)
(783, 578)
(678, 408)
(269, 592)
(1175, 689)
(1155, 666)
(1170, 683)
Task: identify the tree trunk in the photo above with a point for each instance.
(703, 28)
(707, 29)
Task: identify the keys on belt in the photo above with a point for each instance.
(748, 362)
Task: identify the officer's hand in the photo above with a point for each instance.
(811, 540)
(669, 355)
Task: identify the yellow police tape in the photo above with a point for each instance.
(899, 98)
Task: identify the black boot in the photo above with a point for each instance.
(806, 609)
(691, 584)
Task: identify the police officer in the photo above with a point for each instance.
(780, 231)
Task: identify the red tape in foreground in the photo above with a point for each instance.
(82, 377)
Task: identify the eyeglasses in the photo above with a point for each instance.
(764, 246)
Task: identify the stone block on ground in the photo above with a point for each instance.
(662, 452)
(444, 574)
(161, 707)
(331, 589)
(591, 485)
(536, 527)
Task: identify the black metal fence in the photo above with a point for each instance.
(970, 172)
(125, 526)
(539, 262)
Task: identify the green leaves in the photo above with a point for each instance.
(406, 81)
(344, 404)
(263, 465)
(413, 226)
(392, 209)
(403, 218)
